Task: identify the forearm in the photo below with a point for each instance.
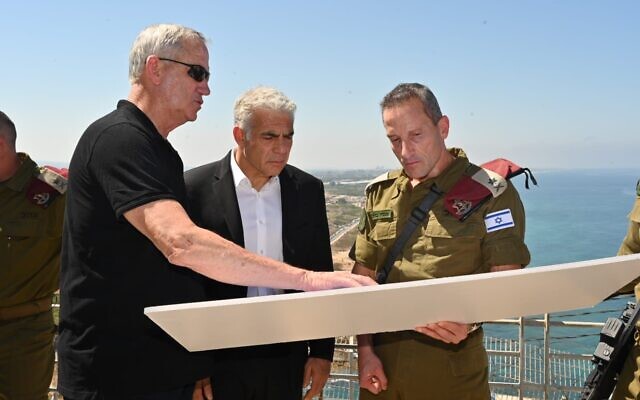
(365, 344)
(214, 257)
(365, 340)
(167, 225)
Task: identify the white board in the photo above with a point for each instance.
(393, 307)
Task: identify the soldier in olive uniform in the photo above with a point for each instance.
(629, 381)
(31, 212)
(444, 360)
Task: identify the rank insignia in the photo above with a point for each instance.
(47, 185)
(40, 193)
(461, 206)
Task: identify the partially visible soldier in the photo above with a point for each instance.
(31, 213)
(629, 380)
(631, 242)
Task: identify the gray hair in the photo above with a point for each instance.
(260, 97)
(407, 91)
(165, 40)
(8, 130)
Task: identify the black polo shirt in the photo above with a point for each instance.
(107, 347)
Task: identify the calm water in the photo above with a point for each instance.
(573, 216)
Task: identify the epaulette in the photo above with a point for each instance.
(47, 185)
(389, 175)
(54, 177)
(474, 188)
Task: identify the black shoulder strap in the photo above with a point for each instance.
(418, 215)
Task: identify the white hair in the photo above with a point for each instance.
(164, 40)
(261, 97)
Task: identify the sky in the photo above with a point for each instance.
(547, 84)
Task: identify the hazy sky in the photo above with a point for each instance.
(544, 83)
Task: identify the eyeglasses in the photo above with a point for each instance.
(197, 72)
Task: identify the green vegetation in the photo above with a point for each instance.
(341, 213)
(345, 195)
(345, 242)
(351, 189)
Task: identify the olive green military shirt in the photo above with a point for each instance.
(631, 242)
(30, 239)
(444, 246)
(628, 385)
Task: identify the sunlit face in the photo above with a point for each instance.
(184, 95)
(264, 152)
(415, 140)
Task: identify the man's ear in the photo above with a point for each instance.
(443, 126)
(238, 135)
(152, 69)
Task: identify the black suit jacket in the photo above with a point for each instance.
(213, 204)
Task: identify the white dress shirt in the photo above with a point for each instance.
(261, 214)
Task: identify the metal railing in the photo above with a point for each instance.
(517, 369)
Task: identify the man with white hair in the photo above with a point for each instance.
(255, 199)
(128, 242)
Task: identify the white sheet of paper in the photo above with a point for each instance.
(393, 307)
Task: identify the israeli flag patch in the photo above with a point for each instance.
(499, 220)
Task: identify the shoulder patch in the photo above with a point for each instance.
(54, 177)
(472, 190)
(480, 184)
(390, 175)
(499, 220)
(40, 193)
(363, 221)
(495, 183)
(638, 188)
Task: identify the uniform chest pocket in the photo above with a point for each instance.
(443, 227)
(384, 230)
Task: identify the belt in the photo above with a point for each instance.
(25, 309)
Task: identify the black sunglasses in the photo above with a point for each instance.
(197, 72)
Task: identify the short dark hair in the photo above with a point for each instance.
(407, 91)
(7, 129)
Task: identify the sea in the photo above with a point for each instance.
(574, 215)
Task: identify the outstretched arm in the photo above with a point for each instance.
(167, 225)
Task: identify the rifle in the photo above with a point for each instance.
(616, 340)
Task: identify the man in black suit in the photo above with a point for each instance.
(255, 199)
